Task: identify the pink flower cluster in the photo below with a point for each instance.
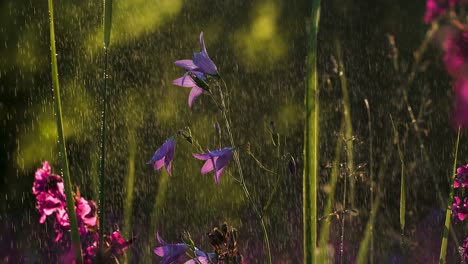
(455, 47)
(460, 207)
(51, 201)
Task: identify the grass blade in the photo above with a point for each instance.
(61, 141)
(448, 214)
(371, 177)
(128, 207)
(311, 142)
(402, 180)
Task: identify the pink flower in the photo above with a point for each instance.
(460, 116)
(456, 54)
(216, 161)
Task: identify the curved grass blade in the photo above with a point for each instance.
(448, 214)
(402, 180)
(70, 201)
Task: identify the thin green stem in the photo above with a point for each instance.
(448, 214)
(107, 23)
(402, 180)
(311, 135)
(241, 174)
(325, 230)
(371, 178)
(128, 207)
(70, 201)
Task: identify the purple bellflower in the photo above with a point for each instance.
(169, 252)
(216, 161)
(164, 155)
(188, 82)
(200, 61)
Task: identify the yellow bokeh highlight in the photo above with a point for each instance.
(133, 18)
(260, 44)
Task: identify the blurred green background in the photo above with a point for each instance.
(260, 48)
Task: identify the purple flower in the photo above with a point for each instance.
(456, 54)
(187, 81)
(464, 250)
(200, 61)
(459, 209)
(435, 8)
(164, 155)
(169, 252)
(460, 116)
(215, 161)
(462, 177)
(118, 244)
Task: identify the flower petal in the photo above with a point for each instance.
(184, 81)
(186, 64)
(169, 158)
(204, 63)
(203, 156)
(208, 166)
(194, 93)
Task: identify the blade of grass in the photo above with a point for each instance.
(128, 208)
(402, 180)
(348, 124)
(311, 141)
(371, 177)
(76, 245)
(325, 230)
(448, 214)
(107, 23)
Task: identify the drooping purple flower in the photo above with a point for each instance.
(200, 61)
(460, 209)
(216, 161)
(188, 82)
(169, 252)
(456, 54)
(460, 116)
(164, 155)
(462, 177)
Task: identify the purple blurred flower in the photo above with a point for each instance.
(169, 252)
(435, 8)
(460, 116)
(200, 61)
(462, 177)
(456, 54)
(216, 161)
(187, 81)
(459, 209)
(464, 250)
(164, 155)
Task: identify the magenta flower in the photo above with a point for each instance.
(200, 61)
(434, 9)
(464, 250)
(118, 244)
(462, 177)
(215, 161)
(164, 155)
(460, 116)
(456, 54)
(459, 209)
(169, 252)
(187, 81)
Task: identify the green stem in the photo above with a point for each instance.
(371, 177)
(128, 209)
(241, 174)
(325, 230)
(107, 22)
(402, 179)
(311, 132)
(76, 244)
(448, 215)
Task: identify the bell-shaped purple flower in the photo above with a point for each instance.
(200, 61)
(188, 82)
(216, 161)
(169, 252)
(164, 155)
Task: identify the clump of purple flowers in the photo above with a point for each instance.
(460, 205)
(51, 201)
